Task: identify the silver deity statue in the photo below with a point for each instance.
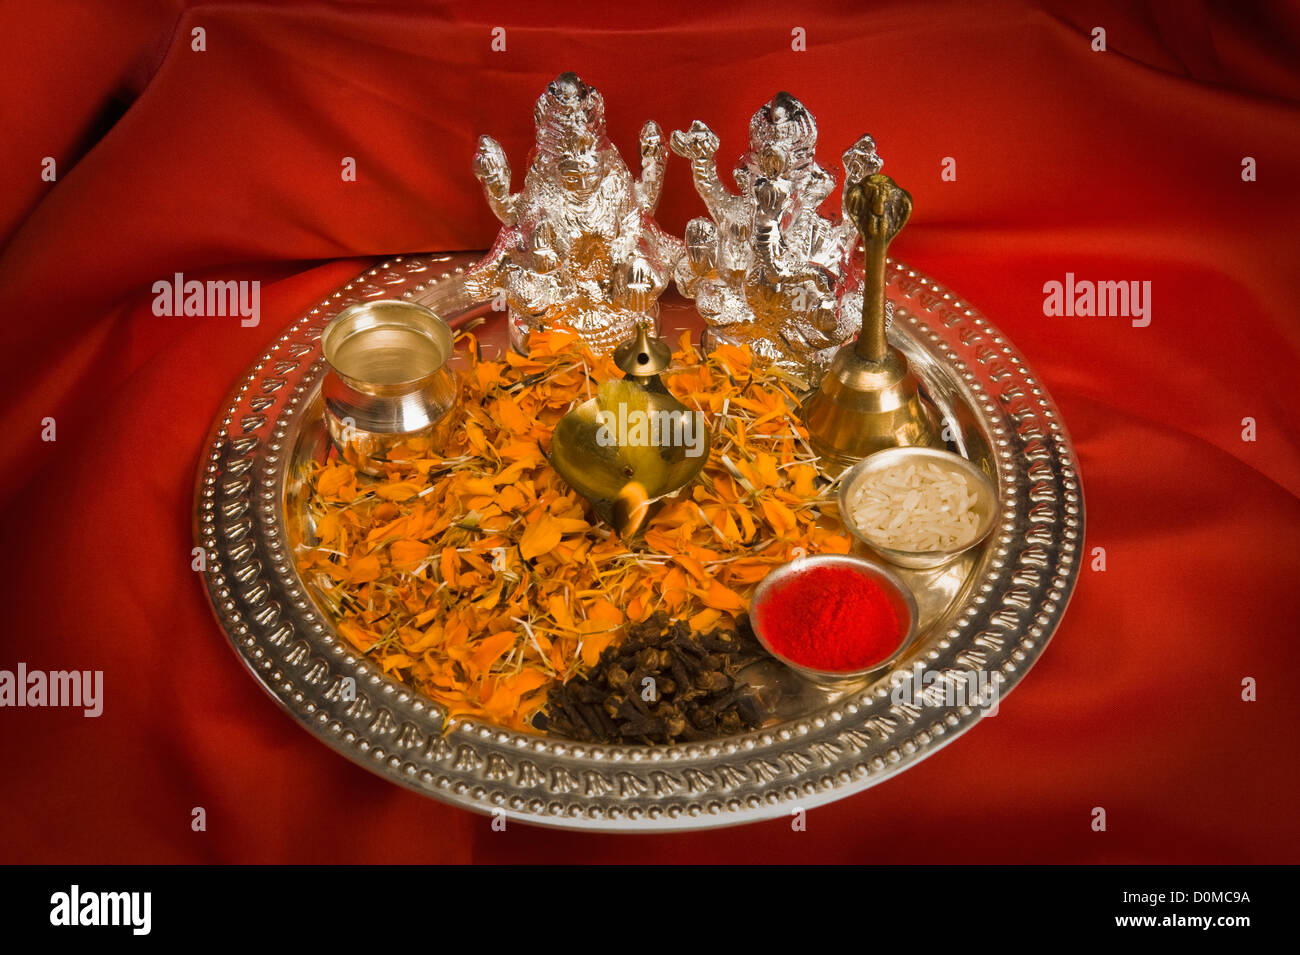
(767, 269)
(578, 246)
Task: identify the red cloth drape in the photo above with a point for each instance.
(1123, 164)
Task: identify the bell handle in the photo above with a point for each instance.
(879, 209)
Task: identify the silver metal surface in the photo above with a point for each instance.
(388, 379)
(903, 601)
(765, 268)
(579, 244)
(992, 611)
(986, 507)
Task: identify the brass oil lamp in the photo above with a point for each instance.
(869, 399)
(621, 470)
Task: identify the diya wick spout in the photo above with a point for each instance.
(869, 399)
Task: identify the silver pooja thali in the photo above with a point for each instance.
(989, 613)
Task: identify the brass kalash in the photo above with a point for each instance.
(622, 479)
(869, 399)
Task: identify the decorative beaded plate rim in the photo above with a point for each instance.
(1019, 594)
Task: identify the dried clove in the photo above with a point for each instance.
(662, 684)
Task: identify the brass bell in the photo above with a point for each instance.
(869, 399)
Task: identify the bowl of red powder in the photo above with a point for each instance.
(833, 617)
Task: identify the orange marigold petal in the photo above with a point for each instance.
(540, 537)
(720, 597)
(406, 553)
(397, 491)
(363, 569)
(489, 649)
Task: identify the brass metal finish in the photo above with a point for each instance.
(869, 399)
(624, 481)
(880, 209)
(643, 357)
(863, 407)
(388, 379)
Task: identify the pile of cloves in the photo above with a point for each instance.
(662, 684)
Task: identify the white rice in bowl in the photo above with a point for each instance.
(916, 507)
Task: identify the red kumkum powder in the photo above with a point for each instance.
(832, 618)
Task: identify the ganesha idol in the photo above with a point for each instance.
(766, 269)
(578, 246)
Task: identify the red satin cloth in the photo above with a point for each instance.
(1116, 165)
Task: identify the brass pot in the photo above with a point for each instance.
(388, 379)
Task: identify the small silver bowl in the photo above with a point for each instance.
(388, 380)
(900, 596)
(986, 503)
